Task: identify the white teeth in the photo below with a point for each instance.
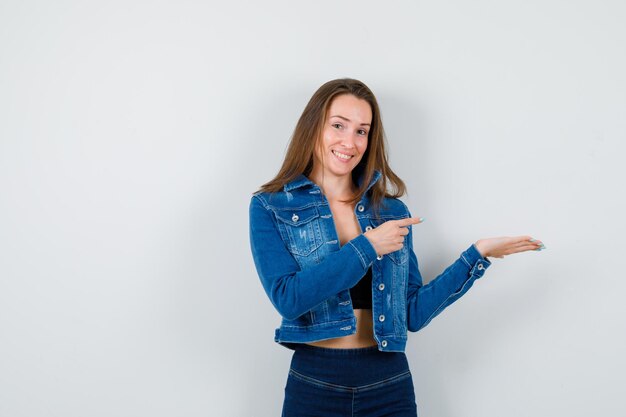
(342, 156)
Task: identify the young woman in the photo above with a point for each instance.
(333, 248)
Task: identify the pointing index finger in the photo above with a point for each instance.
(409, 221)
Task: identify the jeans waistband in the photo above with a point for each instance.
(322, 351)
(348, 367)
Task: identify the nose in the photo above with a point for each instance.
(348, 141)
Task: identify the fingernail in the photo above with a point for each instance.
(532, 240)
(421, 219)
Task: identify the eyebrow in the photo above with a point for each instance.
(348, 120)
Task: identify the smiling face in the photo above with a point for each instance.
(343, 138)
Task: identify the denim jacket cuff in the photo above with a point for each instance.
(364, 249)
(475, 261)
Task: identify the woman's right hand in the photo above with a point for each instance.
(389, 236)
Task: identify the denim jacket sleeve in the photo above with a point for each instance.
(425, 302)
(294, 291)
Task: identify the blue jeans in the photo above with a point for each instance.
(361, 382)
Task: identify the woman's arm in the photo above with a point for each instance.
(291, 290)
(425, 302)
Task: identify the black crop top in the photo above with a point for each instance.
(361, 293)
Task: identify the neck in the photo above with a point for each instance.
(335, 188)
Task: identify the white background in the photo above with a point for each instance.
(132, 134)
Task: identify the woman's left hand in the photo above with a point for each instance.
(498, 247)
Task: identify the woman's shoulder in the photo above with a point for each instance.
(284, 199)
(392, 206)
(293, 192)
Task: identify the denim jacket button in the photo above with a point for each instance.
(381, 317)
(379, 257)
(480, 267)
(383, 343)
(294, 218)
(368, 228)
(361, 208)
(381, 286)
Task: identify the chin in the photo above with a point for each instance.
(341, 172)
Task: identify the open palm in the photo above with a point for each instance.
(499, 247)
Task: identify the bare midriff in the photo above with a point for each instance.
(364, 336)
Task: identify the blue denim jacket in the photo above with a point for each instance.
(307, 274)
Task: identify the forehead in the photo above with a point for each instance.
(351, 107)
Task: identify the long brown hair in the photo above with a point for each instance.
(307, 134)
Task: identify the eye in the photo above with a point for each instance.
(337, 125)
(362, 132)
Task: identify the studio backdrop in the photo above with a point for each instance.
(133, 133)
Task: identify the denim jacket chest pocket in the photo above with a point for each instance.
(300, 228)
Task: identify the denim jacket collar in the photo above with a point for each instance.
(301, 181)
